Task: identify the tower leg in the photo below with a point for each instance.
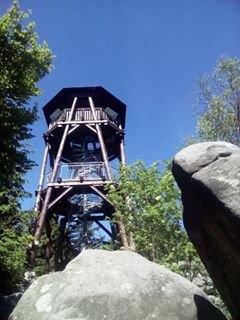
(41, 180)
(101, 141)
(42, 216)
(122, 149)
(123, 234)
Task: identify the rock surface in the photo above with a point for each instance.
(116, 285)
(208, 175)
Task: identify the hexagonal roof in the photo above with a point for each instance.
(101, 97)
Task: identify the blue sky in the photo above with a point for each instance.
(147, 53)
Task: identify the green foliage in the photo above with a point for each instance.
(23, 62)
(148, 202)
(219, 97)
(13, 244)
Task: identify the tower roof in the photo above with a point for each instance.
(101, 97)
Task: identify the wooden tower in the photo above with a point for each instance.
(85, 137)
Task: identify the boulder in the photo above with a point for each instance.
(208, 175)
(115, 285)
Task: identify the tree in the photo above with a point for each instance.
(23, 62)
(148, 202)
(219, 98)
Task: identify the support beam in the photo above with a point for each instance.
(122, 229)
(101, 141)
(104, 228)
(73, 129)
(122, 149)
(43, 213)
(41, 180)
(101, 194)
(69, 183)
(59, 197)
(123, 162)
(91, 128)
(114, 126)
(100, 122)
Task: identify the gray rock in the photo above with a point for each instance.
(208, 175)
(114, 285)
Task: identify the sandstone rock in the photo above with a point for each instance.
(116, 285)
(208, 175)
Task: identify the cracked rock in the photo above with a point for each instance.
(208, 175)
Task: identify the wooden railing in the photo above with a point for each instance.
(86, 170)
(83, 114)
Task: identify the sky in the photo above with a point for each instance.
(149, 54)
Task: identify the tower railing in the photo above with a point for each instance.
(81, 170)
(83, 114)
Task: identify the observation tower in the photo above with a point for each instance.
(85, 138)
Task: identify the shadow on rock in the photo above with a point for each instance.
(205, 310)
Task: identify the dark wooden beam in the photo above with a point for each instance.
(73, 129)
(69, 183)
(101, 140)
(104, 228)
(47, 198)
(122, 149)
(65, 192)
(41, 180)
(101, 194)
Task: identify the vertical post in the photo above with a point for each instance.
(122, 230)
(53, 177)
(41, 180)
(122, 149)
(101, 141)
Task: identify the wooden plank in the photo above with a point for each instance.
(69, 183)
(83, 122)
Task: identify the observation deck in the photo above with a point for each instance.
(107, 106)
